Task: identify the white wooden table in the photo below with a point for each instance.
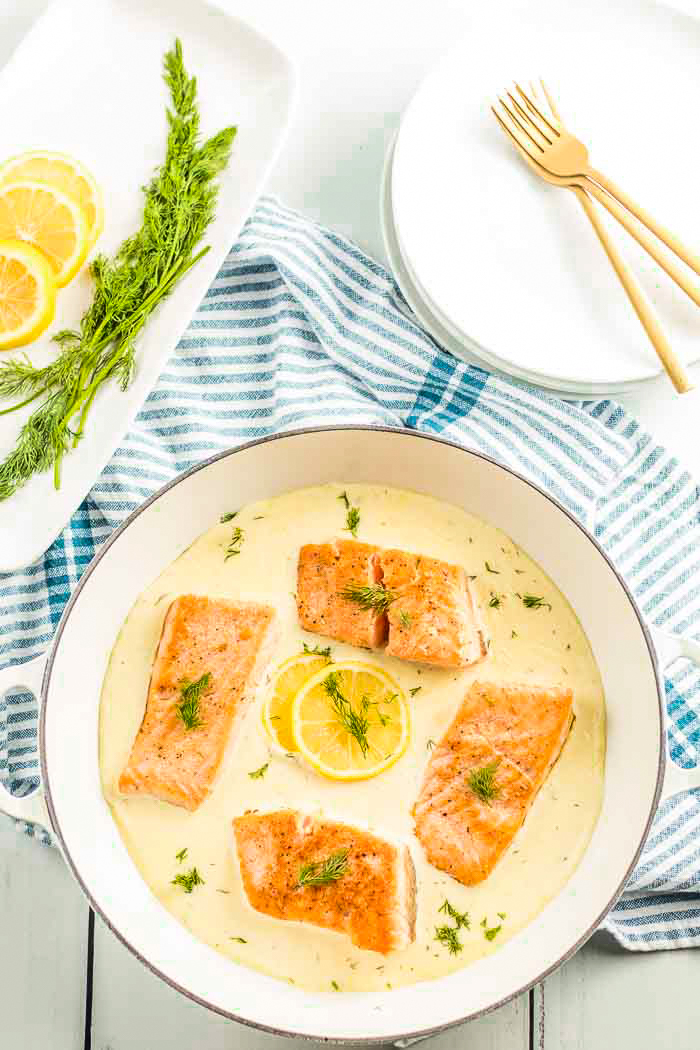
(65, 982)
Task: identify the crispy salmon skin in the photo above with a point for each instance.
(226, 640)
(374, 899)
(485, 773)
(324, 571)
(434, 617)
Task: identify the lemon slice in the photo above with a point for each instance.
(337, 699)
(49, 220)
(27, 294)
(277, 709)
(65, 174)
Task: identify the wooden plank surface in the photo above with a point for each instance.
(133, 1010)
(606, 997)
(43, 947)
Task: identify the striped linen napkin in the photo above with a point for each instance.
(301, 328)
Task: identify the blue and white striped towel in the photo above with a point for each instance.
(301, 328)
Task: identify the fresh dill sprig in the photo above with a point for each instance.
(482, 782)
(228, 516)
(416, 689)
(448, 936)
(188, 880)
(531, 601)
(325, 652)
(335, 986)
(369, 596)
(495, 601)
(179, 204)
(352, 517)
(258, 774)
(323, 872)
(490, 933)
(460, 917)
(496, 572)
(405, 618)
(181, 855)
(235, 543)
(355, 723)
(191, 695)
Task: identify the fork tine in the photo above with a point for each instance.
(528, 119)
(518, 123)
(550, 101)
(521, 144)
(536, 112)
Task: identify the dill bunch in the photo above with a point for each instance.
(179, 204)
(482, 782)
(191, 694)
(369, 596)
(321, 873)
(354, 723)
(188, 880)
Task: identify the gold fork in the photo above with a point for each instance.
(642, 307)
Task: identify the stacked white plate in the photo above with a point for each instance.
(504, 269)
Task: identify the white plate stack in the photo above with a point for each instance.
(504, 269)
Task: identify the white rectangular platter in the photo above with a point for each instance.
(87, 81)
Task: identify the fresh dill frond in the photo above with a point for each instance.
(352, 516)
(460, 917)
(482, 782)
(531, 601)
(416, 689)
(179, 204)
(235, 543)
(181, 855)
(501, 914)
(258, 774)
(356, 724)
(490, 933)
(448, 936)
(323, 872)
(496, 572)
(191, 695)
(228, 516)
(239, 940)
(405, 618)
(495, 601)
(369, 596)
(317, 650)
(188, 880)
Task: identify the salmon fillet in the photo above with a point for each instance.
(435, 617)
(374, 901)
(513, 732)
(324, 571)
(230, 642)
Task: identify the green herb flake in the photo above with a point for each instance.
(496, 572)
(501, 914)
(235, 543)
(430, 744)
(238, 940)
(482, 782)
(258, 774)
(448, 936)
(228, 516)
(416, 689)
(514, 634)
(317, 650)
(495, 601)
(335, 986)
(191, 694)
(489, 934)
(531, 601)
(188, 880)
(324, 872)
(369, 596)
(461, 918)
(405, 618)
(181, 855)
(352, 516)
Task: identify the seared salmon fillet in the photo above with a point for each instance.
(324, 571)
(226, 640)
(485, 773)
(373, 900)
(434, 617)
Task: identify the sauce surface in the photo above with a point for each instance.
(544, 646)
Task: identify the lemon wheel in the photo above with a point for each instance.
(286, 683)
(27, 294)
(47, 219)
(64, 173)
(350, 721)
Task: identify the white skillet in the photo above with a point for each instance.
(69, 682)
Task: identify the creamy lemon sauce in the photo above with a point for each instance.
(533, 645)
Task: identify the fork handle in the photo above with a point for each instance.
(643, 239)
(642, 307)
(669, 239)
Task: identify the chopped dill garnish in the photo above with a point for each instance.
(323, 872)
(501, 914)
(181, 855)
(189, 707)
(355, 724)
(489, 934)
(228, 516)
(239, 940)
(461, 918)
(431, 744)
(531, 601)
(369, 596)
(448, 936)
(482, 782)
(335, 986)
(352, 517)
(234, 546)
(495, 601)
(258, 774)
(514, 634)
(318, 651)
(416, 689)
(496, 572)
(188, 880)
(405, 618)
